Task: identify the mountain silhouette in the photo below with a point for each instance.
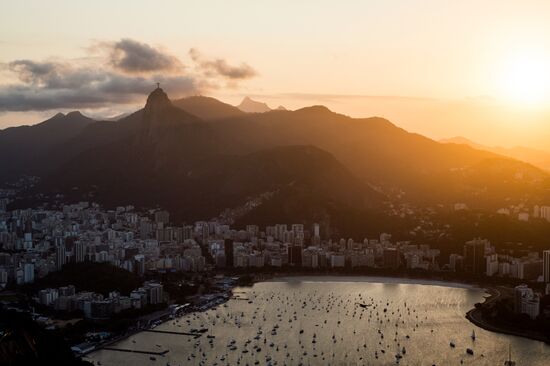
(24, 149)
(162, 155)
(536, 157)
(321, 161)
(251, 106)
(207, 108)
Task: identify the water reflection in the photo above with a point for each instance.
(333, 321)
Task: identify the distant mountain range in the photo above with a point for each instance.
(208, 108)
(251, 106)
(197, 156)
(536, 157)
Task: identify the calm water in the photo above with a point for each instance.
(336, 330)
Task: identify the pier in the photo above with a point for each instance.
(196, 335)
(155, 353)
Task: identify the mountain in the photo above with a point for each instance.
(313, 160)
(251, 106)
(536, 157)
(116, 117)
(165, 156)
(207, 108)
(281, 108)
(23, 149)
(378, 152)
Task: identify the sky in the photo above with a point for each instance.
(479, 69)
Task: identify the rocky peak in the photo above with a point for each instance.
(157, 99)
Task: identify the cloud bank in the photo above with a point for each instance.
(220, 67)
(135, 57)
(125, 72)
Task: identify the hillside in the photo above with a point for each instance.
(167, 157)
(23, 149)
(389, 157)
(207, 108)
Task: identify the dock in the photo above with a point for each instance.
(196, 335)
(155, 353)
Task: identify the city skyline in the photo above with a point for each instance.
(275, 182)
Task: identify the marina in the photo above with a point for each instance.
(327, 321)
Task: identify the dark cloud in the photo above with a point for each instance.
(54, 75)
(129, 72)
(55, 85)
(135, 57)
(220, 67)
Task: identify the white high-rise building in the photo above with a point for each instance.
(61, 256)
(545, 212)
(79, 252)
(28, 273)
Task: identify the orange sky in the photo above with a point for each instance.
(471, 68)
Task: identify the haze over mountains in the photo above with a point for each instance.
(197, 156)
(536, 157)
(251, 106)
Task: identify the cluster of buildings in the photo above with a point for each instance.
(35, 242)
(292, 245)
(480, 257)
(524, 213)
(96, 306)
(526, 301)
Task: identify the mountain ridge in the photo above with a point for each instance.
(163, 143)
(251, 106)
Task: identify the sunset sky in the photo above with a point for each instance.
(479, 69)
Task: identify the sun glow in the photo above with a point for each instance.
(525, 78)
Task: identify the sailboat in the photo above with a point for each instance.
(509, 362)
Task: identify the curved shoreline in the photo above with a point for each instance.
(375, 279)
(475, 317)
(472, 315)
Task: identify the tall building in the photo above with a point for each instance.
(545, 212)
(162, 217)
(391, 258)
(79, 252)
(155, 293)
(526, 301)
(546, 266)
(474, 256)
(294, 253)
(456, 262)
(28, 273)
(228, 251)
(139, 264)
(316, 230)
(60, 256)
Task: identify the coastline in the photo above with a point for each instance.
(475, 317)
(375, 279)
